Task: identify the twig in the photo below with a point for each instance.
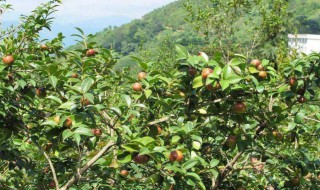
(88, 165)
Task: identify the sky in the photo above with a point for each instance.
(91, 15)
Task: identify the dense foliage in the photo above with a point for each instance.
(69, 120)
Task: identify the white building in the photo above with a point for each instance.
(305, 43)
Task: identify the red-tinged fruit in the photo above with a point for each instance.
(8, 60)
(206, 72)
(176, 155)
(97, 132)
(137, 87)
(141, 159)
(124, 173)
(292, 81)
(52, 185)
(256, 62)
(44, 47)
(260, 67)
(85, 102)
(142, 75)
(41, 92)
(74, 75)
(192, 71)
(90, 52)
(67, 123)
(239, 107)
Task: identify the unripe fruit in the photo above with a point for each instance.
(8, 60)
(239, 107)
(260, 68)
(141, 159)
(56, 119)
(137, 87)
(41, 92)
(256, 62)
(90, 52)
(231, 141)
(124, 173)
(176, 155)
(206, 72)
(302, 99)
(192, 71)
(182, 94)
(263, 74)
(97, 132)
(74, 75)
(67, 122)
(29, 141)
(292, 81)
(142, 75)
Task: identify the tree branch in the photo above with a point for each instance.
(87, 166)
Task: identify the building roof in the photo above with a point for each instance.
(308, 36)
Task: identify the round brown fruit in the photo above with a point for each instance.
(302, 99)
(124, 173)
(210, 87)
(137, 87)
(159, 130)
(292, 81)
(142, 75)
(85, 102)
(301, 91)
(67, 122)
(231, 141)
(8, 60)
(176, 155)
(97, 132)
(278, 136)
(295, 181)
(56, 119)
(44, 47)
(192, 71)
(263, 74)
(90, 52)
(41, 92)
(52, 184)
(141, 159)
(74, 75)
(260, 67)
(206, 72)
(256, 62)
(239, 107)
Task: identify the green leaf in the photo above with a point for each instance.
(226, 72)
(145, 140)
(127, 99)
(182, 51)
(234, 79)
(83, 131)
(66, 134)
(175, 139)
(214, 162)
(196, 145)
(86, 84)
(224, 84)
(22, 83)
(291, 126)
(77, 138)
(236, 61)
(53, 81)
(56, 99)
(68, 105)
(189, 164)
(253, 70)
(197, 82)
(147, 93)
(125, 157)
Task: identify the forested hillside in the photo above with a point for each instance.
(162, 28)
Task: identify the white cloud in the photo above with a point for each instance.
(74, 11)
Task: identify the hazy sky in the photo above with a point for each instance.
(73, 11)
